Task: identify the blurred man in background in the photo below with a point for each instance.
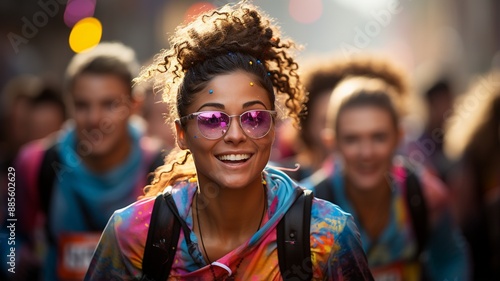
(71, 184)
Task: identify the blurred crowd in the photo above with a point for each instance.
(354, 144)
(343, 149)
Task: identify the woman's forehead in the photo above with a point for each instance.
(360, 118)
(232, 89)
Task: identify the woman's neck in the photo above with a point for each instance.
(232, 211)
(229, 218)
(371, 206)
(368, 197)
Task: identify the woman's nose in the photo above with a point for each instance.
(234, 133)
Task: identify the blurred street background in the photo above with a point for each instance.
(462, 36)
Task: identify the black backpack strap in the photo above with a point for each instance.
(163, 236)
(418, 210)
(47, 176)
(294, 250)
(324, 190)
(46, 179)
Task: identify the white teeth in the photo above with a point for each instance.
(234, 157)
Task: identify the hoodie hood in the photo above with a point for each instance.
(281, 193)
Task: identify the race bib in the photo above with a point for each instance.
(75, 254)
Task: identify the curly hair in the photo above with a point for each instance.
(234, 37)
(321, 76)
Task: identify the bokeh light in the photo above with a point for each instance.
(196, 9)
(85, 34)
(77, 10)
(306, 11)
(365, 6)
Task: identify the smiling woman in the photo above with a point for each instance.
(224, 77)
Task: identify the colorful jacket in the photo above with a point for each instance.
(335, 246)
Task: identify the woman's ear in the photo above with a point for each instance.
(181, 135)
(328, 138)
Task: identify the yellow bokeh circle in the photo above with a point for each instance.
(85, 34)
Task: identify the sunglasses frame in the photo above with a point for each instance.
(194, 115)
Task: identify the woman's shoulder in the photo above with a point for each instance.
(327, 218)
(132, 219)
(335, 243)
(120, 251)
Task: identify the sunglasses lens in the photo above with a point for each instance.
(256, 123)
(213, 124)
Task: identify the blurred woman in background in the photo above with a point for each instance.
(402, 211)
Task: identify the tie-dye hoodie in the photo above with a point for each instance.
(335, 243)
